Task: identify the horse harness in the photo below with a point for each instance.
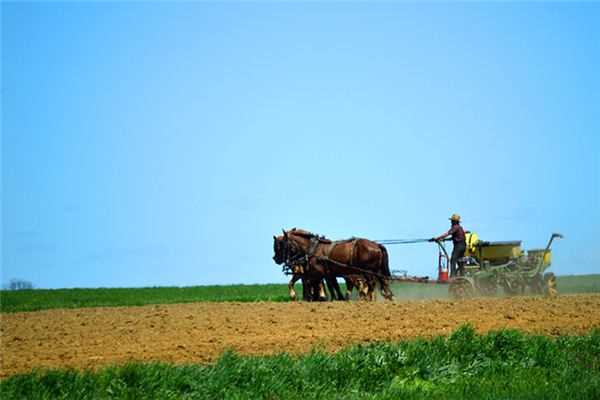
(304, 259)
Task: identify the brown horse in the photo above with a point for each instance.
(324, 258)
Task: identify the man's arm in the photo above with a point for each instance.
(445, 234)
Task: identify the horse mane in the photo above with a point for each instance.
(308, 235)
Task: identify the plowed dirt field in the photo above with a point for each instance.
(200, 332)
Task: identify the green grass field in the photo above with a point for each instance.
(40, 299)
(498, 365)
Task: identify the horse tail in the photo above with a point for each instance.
(384, 264)
(384, 269)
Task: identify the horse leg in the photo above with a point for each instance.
(334, 288)
(291, 290)
(322, 294)
(360, 287)
(366, 290)
(313, 289)
(372, 284)
(338, 290)
(317, 270)
(316, 291)
(372, 292)
(349, 287)
(306, 290)
(330, 288)
(386, 292)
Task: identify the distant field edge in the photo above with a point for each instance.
(43, 299)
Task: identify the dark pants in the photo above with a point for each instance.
(457, 252)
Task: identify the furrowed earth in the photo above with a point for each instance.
(200, 332)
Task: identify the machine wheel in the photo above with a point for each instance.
(510, 291)
(537, 284)
(514, 287)
(461, 288)
(488, 288)
(550, 284)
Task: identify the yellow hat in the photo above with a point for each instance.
(455, 217)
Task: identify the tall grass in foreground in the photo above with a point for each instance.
(498, 365)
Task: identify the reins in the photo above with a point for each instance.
(400, 241)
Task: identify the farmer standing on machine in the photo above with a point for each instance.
(458, 239)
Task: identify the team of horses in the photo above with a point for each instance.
(362, 263)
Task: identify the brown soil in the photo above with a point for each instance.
(200, 332)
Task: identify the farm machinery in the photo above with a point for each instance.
(484, 268)
(488, 266)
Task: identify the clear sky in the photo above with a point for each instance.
(166, 143)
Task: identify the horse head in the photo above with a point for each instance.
(287, 247)
(280, 249)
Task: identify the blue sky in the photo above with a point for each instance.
(166, 143)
